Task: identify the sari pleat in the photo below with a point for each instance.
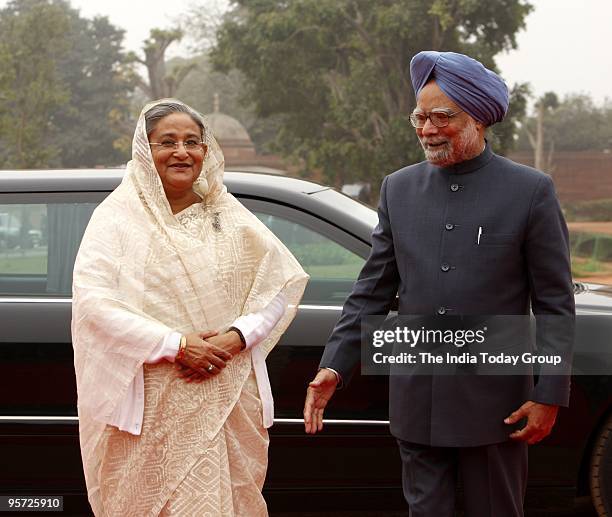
(227, 479)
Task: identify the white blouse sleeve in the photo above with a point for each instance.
(256, 326)
(128, 415)
(166, 349)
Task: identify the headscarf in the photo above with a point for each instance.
(478, 91)
(237, 266)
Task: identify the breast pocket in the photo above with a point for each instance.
(497, 250)
(498, 239)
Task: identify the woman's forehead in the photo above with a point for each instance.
(176, 123)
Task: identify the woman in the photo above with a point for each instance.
(179, 294)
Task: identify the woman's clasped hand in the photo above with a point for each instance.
(207, 354)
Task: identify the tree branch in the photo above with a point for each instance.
(530, 136)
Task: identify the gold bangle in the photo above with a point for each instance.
(182, 348)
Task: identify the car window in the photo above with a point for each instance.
(39, 242)
(333, 268)
(591, 251)
(38, 245)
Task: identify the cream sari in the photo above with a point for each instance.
(142, 272)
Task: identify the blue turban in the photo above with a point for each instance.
(475, 89)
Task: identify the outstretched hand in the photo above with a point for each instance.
(540, 421)
(319, 391)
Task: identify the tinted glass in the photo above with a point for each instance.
(332, 267)
(38, 245)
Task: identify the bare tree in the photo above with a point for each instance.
(161, 82)
(202, 21)
(547, 103)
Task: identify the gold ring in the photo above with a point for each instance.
(210, 367)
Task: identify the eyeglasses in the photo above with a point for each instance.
(170, 145)
(439, 117)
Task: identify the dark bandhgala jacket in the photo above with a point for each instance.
(425, 249)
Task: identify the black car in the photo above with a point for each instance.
(354, 463)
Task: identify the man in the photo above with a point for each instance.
(466, 232)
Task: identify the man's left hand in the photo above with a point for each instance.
(540, 421)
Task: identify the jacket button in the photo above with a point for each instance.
(445, 267)
(442, 311)
(449, 226)
(454, 187)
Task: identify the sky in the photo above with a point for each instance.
(565, 47)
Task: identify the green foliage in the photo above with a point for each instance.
(324, 254)
(549, 100)
(598, 210)
(327, 260)
(336, 72)
(591, 254)
(501, 135)
(573, 124)
(98, 77)
(64, 88)
(594, 246)
(24, 264)
(200, 86)
(162, 83)
(31, 88)
(581, 269)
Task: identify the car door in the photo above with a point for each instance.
(355, 450)
(38, 421)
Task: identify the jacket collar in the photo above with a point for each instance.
(471, 165)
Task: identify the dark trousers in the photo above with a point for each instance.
(494, 478)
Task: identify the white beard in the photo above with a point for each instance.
(466, 146)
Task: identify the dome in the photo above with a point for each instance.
(227, 129)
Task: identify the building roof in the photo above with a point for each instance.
(227, 129)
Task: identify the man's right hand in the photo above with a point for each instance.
(319, 391)
(200, 355)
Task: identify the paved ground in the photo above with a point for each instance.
(591, 227)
